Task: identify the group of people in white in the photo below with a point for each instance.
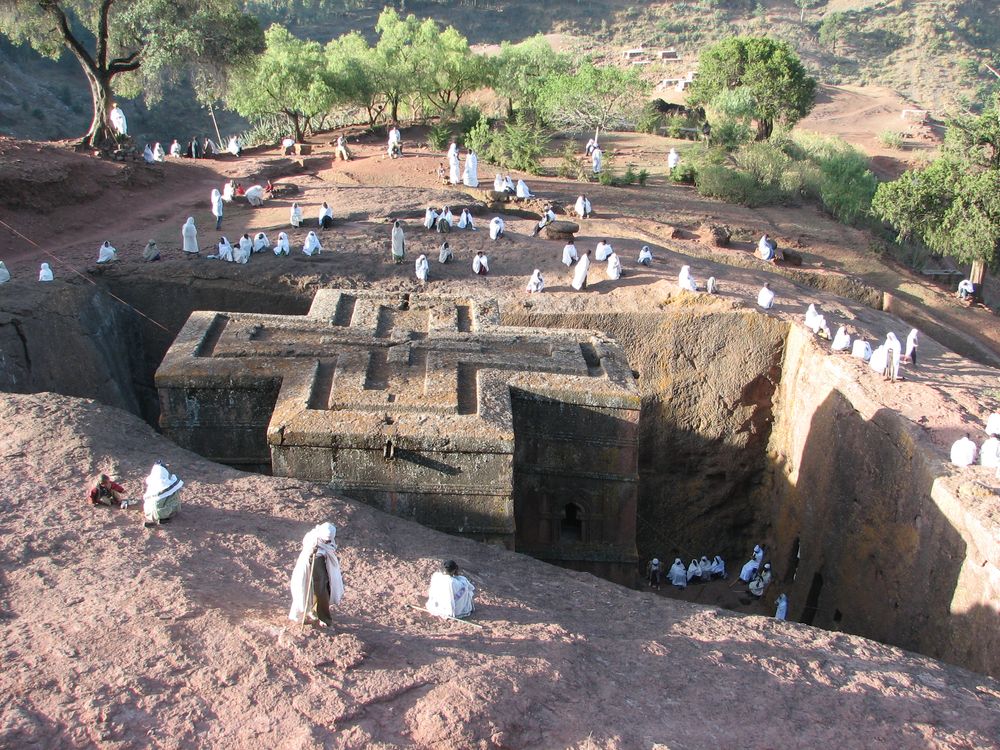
(964, 451)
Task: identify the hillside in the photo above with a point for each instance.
(932, 53)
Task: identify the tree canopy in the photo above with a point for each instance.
(762, 76)
(953, 204)
(593, 98)
(520, 70)
(135, 44)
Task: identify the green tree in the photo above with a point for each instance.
(402, 56)
(452, 70)
(593, 98)
(758, 71)
(290, 79)
(356, 68)
(134, 45)
(520, 71)
(832, 29)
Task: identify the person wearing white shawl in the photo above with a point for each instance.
(118, 121)
(706, 568)
(861, 349)
(717, 569)
(570, 256)
(450, 595)
(229, 191)
(311, 245)
(811, 316)
(282, 247)
(480, 264)
(673, 159)
(241, 253)
(217, 209)
(235, 147)
(454, 167)
(582, 207)
(398, 242)
(684, 280)
(45, 273)
(892, 354)
(879, 359)
(261, 243)
(498, 184)
(911, 347)
(993, 424)
(317, 581)
(989, 453)
(255, 195)
(678, 574)
(596, 157)
(4, 273)
(765, 297)
(465, 220)
(760, 582)
(842, 340)
(496, 228)
(614, 267)
(444, 253)
(591, 145)
(189, 236)
(147, 155)
(175, 149)
(106, 253)
(162, 497)
(694, 571)
(711, 286)
(158, 153)
(430, 218)
(470, 173)
(603, 251)
(781, 608)
(522, 190)
(766, 248)
(645, 256)
(325, 217)
(422, 268)
(963, 451)
(548, 216)
(750, 568)
(580, 272)
(225, 250)
(295, 217)
(536, 283)
(395, 145)
(447, 215)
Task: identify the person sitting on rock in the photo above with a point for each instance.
(105, 492)
(645, 256)
(694, 571)
(465, 220)
(678, 574)
(963, 451)
(316, 581)
(842, 341)
(748, 571)
(718, 567)
(766, 248)
(760, 582)
(966, 289)
(536, 283)
(450, 595)
(653, 572)
(444, 254)
(162, 498)
(522, 190)
(548, 216)
(481, 264)
(106, 253)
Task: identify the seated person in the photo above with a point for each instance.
(287, 145)
(450, 595)
(760, 582)
(162, 498)
(548, 216)
(522, 190)
(966, 289)
(106, 492)
(766, 248)
(645, 255)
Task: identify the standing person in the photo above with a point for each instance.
(162, 498)
(781, 608)
(614, 267)
(341, 151)
(316, 580)
(209, 148)
(481, 264)
(189, 236)
(454, 168)
(4, 273)
(217, 209)
(596, 158)
(450, 594)
(581, 271)
(653, 572)
(582, 207)
(422, 268)
(118, 121)
(892, 353)
(235, 146)
(470, 174)
(395, 145)
(673, 159)
(911, 348)
(398, 242)
(295, 215)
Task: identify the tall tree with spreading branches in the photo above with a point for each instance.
(133, 46)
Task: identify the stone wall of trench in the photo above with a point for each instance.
(867, 534)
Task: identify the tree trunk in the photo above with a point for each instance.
(764, 129)
(394, 111)
(100, 131)
(977, 275)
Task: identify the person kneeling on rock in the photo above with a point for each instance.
(105, 492)
(450, 595)
(162, 498)
(316, 580)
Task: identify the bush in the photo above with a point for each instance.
(650, 119)
(479, 137)
(267, 130)
(467, 118)
(571, 167)
(730, 134)
(684, 173)
(439, 137)
(643, 176)
(716, 181)
(848, 186)
(520, 145)
(763, 161)
(891, 139)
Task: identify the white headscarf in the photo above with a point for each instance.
(282, 246)
(106, 253)
(536, 283)
(189, 235)
(312, 246)
(225, 250)
(570, 255)
(295, 217)
(422, 267)
(321, 540)
(261, 242)
(45, 273)
(684, 280)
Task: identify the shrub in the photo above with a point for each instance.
(467, 118)
(848, 186)
(266, 130)
(520, 145)
(479, 137)
(763, 161)
(729, 134)
(650, 119)
(684, 173)
(891, 139)
(571, 167)
(716, 181)
(643, 176)
(438, 137)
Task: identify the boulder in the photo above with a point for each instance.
(718, 234)
(561, 230)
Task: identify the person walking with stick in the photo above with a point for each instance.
(316, 580)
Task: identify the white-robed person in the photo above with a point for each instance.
(241, 253)
(781, 608)
(118, 121)
(498, 184)
(311, 245)
(225, 251)
(158, 153)
(4, 273)
(548, 216)
(993, 424)
(255, 195)
(614, 267)
(536, 283)
(569, 254)
(470, 173)
(448, 217)
(422, 268)
(450, 595)
(580, 272)
(749, 569)
(861, 349)
(910, 353)
(235, 147)
(893, 351)
(430, 218)
(760, 582)
(317, 581)
(812, 316)
(582, 208)
(711, 286)
(496, 228)
(106, 253)
(684, 280)
(989, 453)
(766, 248)
(765, 297)
(394, 147)
(162, 497)
(879, 359)
(444, 253)
(281, 247)
(465, 220)
(842, 341)
(673, 159)
(217, 209)
(175, 150)
(261, 242)
(480, 264)
(718, 567)
(963, 451)
(678, 574)
(398, 244)
(189, 236)
(603, 251)
(45, 273)
(596, 157)
(454, 166)
(147, 155)
(229, 191)
(645, 256)
(522, 190)
(694, 571)
(295, 215)
(325, 216)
